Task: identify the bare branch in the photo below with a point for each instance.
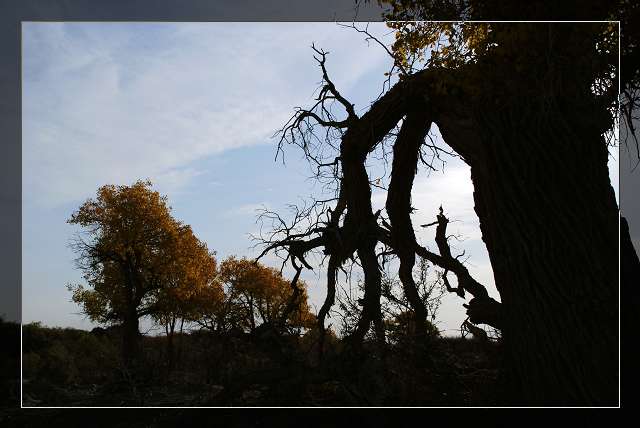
(376, 40)
(330, 87)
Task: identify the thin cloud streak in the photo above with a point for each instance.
(114, 109)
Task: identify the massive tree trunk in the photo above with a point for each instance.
(549, 219)
(550, 222)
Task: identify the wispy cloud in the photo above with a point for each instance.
(115, 102)
(247, 209)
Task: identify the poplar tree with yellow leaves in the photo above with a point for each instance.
(136, 258)
(255, 295)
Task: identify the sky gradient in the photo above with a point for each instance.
(193, 107)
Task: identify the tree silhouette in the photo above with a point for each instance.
(528, 106)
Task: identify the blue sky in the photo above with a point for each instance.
(193, 107)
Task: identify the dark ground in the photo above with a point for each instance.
(67, 367)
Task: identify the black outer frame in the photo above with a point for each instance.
(14, 12)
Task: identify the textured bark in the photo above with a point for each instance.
(542, 193)
(629, 262)
(130, 339)
(548, 216)
(549, 220)
(629, 281)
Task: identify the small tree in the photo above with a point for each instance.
(401, 321)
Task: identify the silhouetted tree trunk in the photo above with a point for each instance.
(180, 344)
(130, 338)
(170, 327)
(533, 137)
(130, 325)
(251, 313)
(406, 153)
(549, 219)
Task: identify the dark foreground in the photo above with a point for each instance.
(66, 367)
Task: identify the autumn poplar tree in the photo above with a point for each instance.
(533, 110)
(255, 295)
(262, 294)
(125, 251)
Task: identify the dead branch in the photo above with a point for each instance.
(405, 163)
(350, 229)
(329, 87)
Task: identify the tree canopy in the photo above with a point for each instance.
(137, 259)
(256, 295)
(419, 29)
(129, 237)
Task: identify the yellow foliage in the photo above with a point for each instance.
(260, 292)
(137, 256)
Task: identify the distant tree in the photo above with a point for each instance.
(255, 295)
(397, 311)
(126, 252)
(215, 310)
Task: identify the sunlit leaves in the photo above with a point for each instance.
(191, 275)
(137, 258)
(134, 253)
(254, 294)
(263, 292)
